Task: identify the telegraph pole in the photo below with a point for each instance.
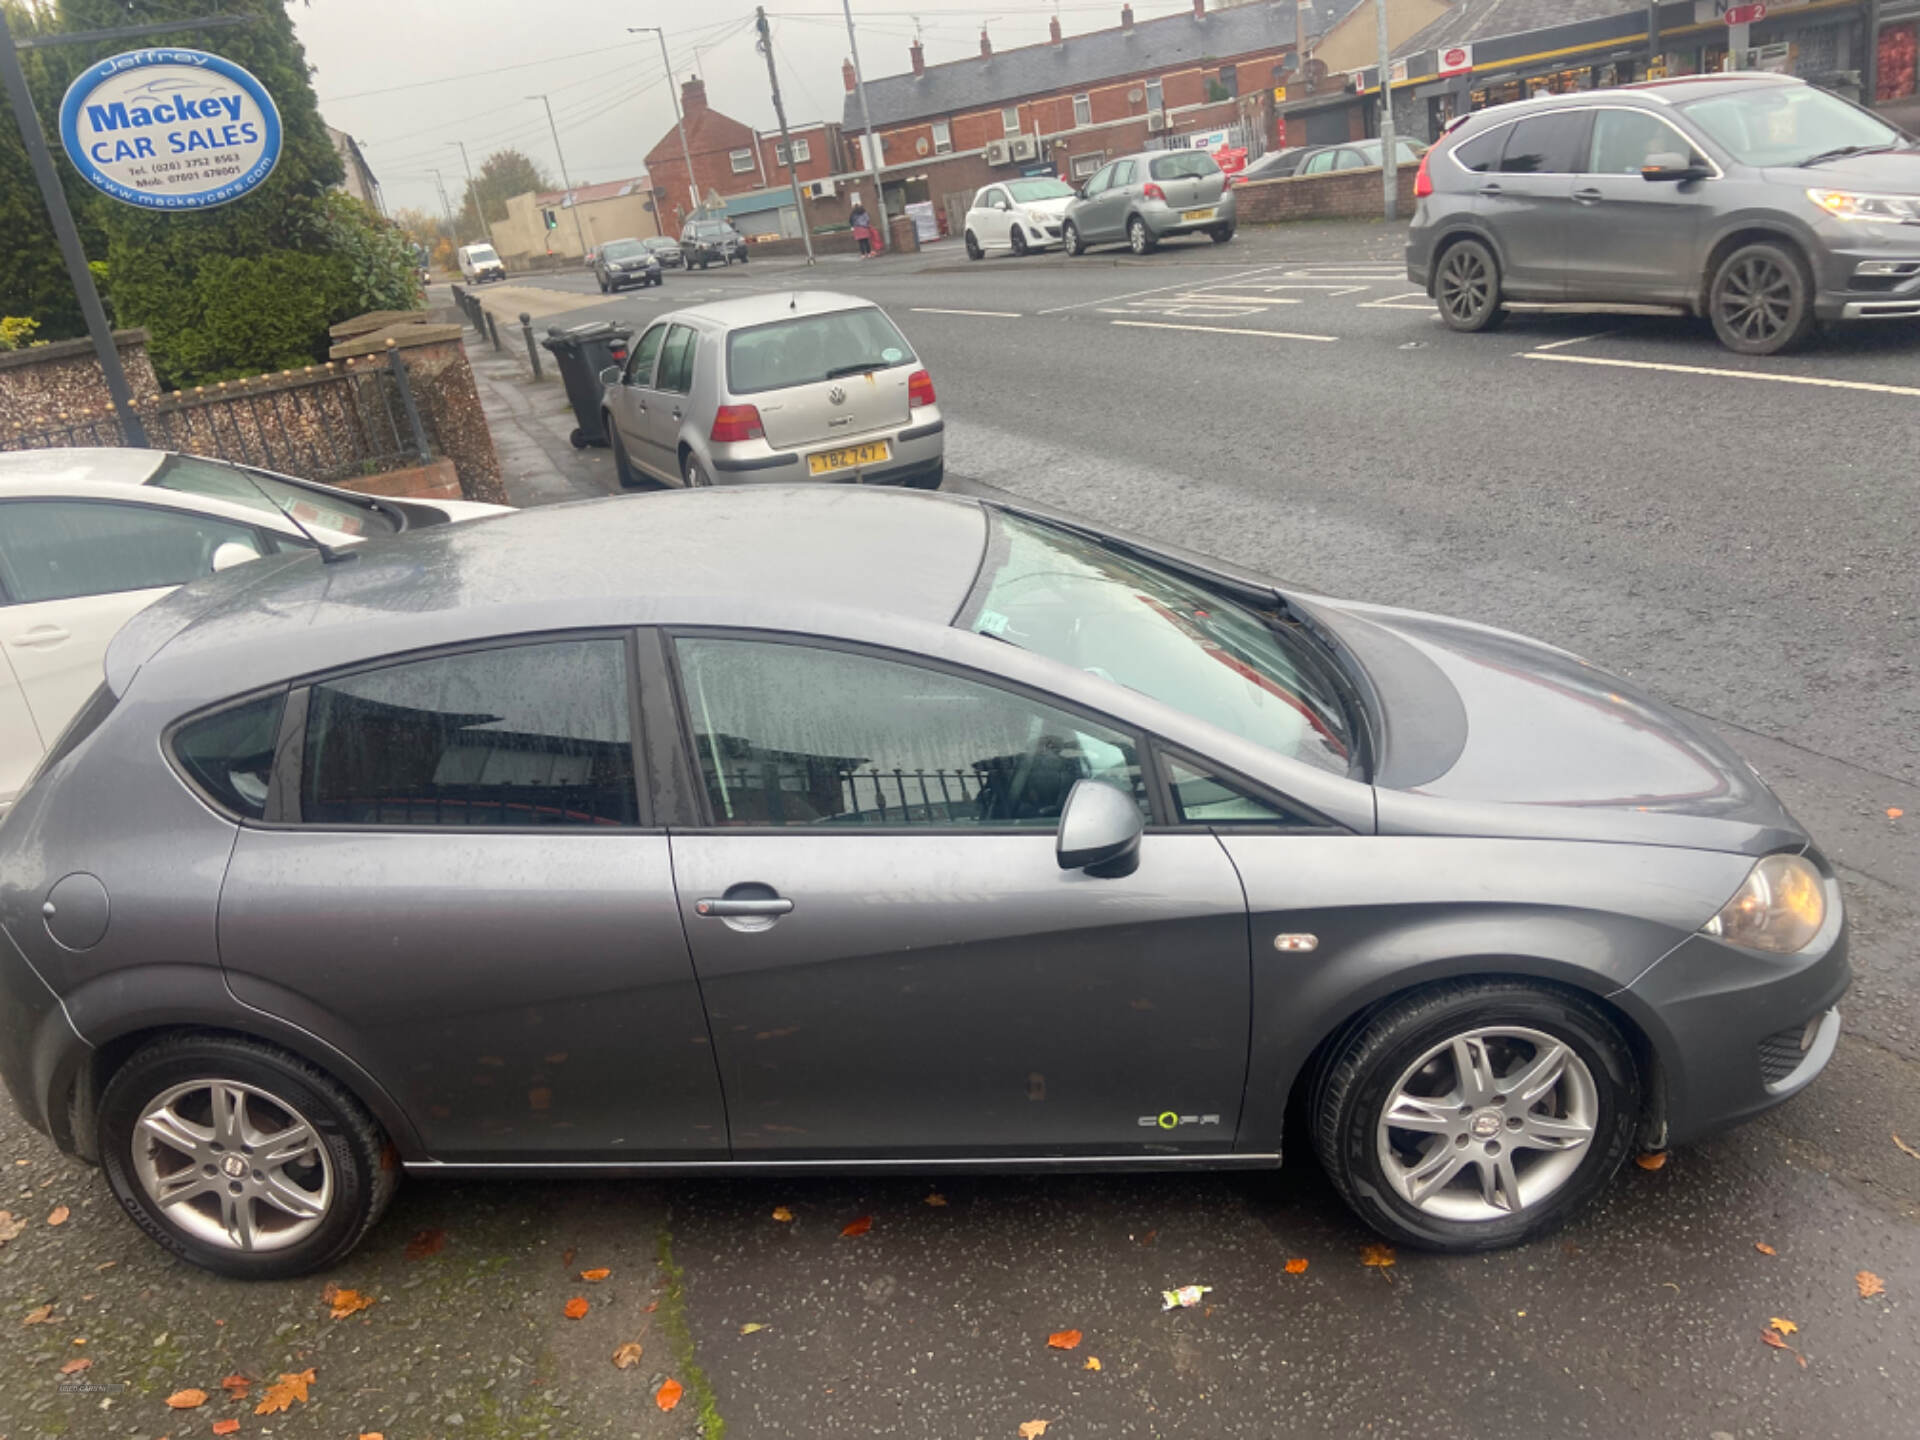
(679, 122)
(780, 114)
(866, 119)
(573, 204)
(1389, 165)
(441, 185)
(473, 191)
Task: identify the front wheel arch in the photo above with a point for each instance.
(1751, 234)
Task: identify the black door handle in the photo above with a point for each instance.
(723, 907)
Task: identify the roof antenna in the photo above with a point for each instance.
(328, 554)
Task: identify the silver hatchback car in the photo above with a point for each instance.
(796, 385)
(1146, 198)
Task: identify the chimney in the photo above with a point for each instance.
(846, 74)
(919, 58)
(693, 94)
(1053, 29)
(986, 45)
(1126, 18)
(1199, 9)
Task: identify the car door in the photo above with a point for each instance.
(893, 961)
(998, 216)
(20, 743)
(1528, 201)
(628, 401)
(1117, 204)
(1086, 214)
(667, 402)
(456, 887)
(1629, 238)
(77, 569)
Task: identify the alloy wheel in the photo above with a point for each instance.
(694, 475)
(232, 1165)
(1756, 298)
(1487, 1123)
(1018, 241)
(1070, 233)
(1466, 284)
(1137, 237)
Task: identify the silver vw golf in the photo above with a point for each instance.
(796, 385)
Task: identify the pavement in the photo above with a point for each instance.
(1738, 534)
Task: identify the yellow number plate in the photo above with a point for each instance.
(827, 461)
(1192, 215)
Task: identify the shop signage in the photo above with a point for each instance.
(1456, 60)
(1706, 12)
(170, 129)
(1746, 14)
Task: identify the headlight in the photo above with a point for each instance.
(1851, 205)
(1780, 906)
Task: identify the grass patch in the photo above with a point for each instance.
(679, 1333)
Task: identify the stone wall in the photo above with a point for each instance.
(447, 398)
(42, 385)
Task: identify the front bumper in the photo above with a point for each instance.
(1847, 286)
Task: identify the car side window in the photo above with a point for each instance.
(229, 754)
(640, 365)
(1625, 140)
(1101, 179)
(1203, 798)
(64, 549)
(1481, 153)
(789, 734)
(676, 361)
(1123, 174)
(1546, 144)
(518, 735)
(1319, 164)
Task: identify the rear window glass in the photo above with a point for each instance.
(230, 755)
(1189, 165)
(345, 516)
(812, 348)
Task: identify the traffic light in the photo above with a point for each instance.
(553, 222)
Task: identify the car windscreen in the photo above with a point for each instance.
(1025, 192)
(812, 348)
(481, 254)
(1786, 124)
(712, 232)
(1183, 165)
(317, 510)
(622, 250)
(659, 242)
(1093, 607)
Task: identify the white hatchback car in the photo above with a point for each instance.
(88, 538)
(1017, 216)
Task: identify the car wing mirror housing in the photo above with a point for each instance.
(229, 553)
(609, 377)
(1672, 165)
(1100, 829)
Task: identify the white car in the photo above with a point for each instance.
(88, 538)
(1017, 216)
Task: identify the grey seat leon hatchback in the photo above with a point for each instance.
(864, 828)
(1758, 201)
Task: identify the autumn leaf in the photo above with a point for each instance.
(1870, 1284)
(1898, 1144)
(566, 1258)
(1376, 1255)
(58, 1215)
(371, 1435)
(1774, 1340)
(42, 1316)
(344, 1302)
(1296, 1267)
(1064, 1339)
(1764, 1248)
(186, 1399)
(1032, 1429)
(427, 1242)
(11, 1229)
(752, 1327)
(1785, 1327)
(229, 1426)
(281, 1394)
(626, 1356)
(858, 1227)
(1894, 812)
(76, 1365)
(595, 1276)
(236, 1385)
(1093, 1362)
(936, 1200)
(669, 1393)
(576, 1307)
(782, 1214)
(1651, 1160)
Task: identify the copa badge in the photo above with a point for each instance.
(170, 129)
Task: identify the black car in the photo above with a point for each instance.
(668, 251)
(711, 242)
(621, 263)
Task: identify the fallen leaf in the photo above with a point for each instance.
(10, 1228)
(42, 1316)
(1093, 1363)
(344, 1302)
(81, 1339)
(1149, 1237)
(1651, 1159)
(237, 1386)
(936, 1199)
(595, 1276)
(858, 1227)
(566, 1258)
(371, 1435)
(1898, 1143)
(1296, 1267)
(1764, 1248)
(669, 1393)
(1870, 1284)
(1774, 1340)
(782, 1214)
(427, 1242)
(231, 1426)
(576, 1307)
(1032, 1429)
(186, 1399)
(1377, 1255)
(76, 1365)
(281, 1394)
(751, 1326)
(1894, 812)
(1064, 1339)
(649, 1307)
(1785, 1327)
(626, 1356)
(58, 1215)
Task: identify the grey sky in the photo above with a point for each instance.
(608, 97)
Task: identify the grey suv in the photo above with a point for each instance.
(1756, 200)
(1143, 199)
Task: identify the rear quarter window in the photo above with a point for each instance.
(229, 754)
(1480, 153)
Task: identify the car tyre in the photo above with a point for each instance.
(1467, 287)
(1761, 300)
(1221, 234)
(1070, 239)
(693, 474)
(346, 1173)
(1139, 237)
(974, 252)
(1017, 241)
(623, 470)
(1478, 1165)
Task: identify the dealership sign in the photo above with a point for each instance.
(170, 129)
(1456, 59)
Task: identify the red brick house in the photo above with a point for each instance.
(730, 158)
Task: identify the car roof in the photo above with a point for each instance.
(767, 556)
(775, 305)
(1643, 95)
(46, 470)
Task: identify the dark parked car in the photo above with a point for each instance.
(621, 263)
(668, 251)
(863, 826)
(711, 242)
(1758, 201)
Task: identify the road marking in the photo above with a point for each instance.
(988, 314)
(1218, 297)
(1230, 330)
(1870, 386)
(1392, 302)
(1186, 284)
(1574, 340)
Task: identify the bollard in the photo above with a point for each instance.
(493, 330)
(533, 351)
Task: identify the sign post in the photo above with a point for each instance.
(1740, 20)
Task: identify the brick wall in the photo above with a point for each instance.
(823, 154)
(1349, 195)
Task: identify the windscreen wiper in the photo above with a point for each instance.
(1841, 152)
(865, 367)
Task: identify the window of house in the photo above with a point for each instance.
(1154, 101)
(1085, 165)
(942, 137)
(799, 735)
(1082, 110)
(63, 549)
(520, 735)
(742, 161)
(1010, 119)
(1223, 84)
(799, 151)
(802, 152)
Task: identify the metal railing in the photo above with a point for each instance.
(777, 794)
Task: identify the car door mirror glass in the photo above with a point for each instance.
(1100, 829)
(229, 553)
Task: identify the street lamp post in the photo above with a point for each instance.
(1389, 167)
(679, 122)
(579, 233)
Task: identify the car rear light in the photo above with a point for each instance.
(1423, 182)
(734, 423)
(919, 389)
(1154, 192)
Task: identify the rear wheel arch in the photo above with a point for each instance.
(1452, 238)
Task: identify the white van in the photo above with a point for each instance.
(479, 264)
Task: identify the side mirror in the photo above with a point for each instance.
(609, 377)
(1672, 165)
(230, 553)
(1100, 829)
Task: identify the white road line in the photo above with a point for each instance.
(1228, 330)
(1214, 297)
(1186, 284)
(1572, 340)
(1815, 380)
(986, 314)
(1392, 302)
